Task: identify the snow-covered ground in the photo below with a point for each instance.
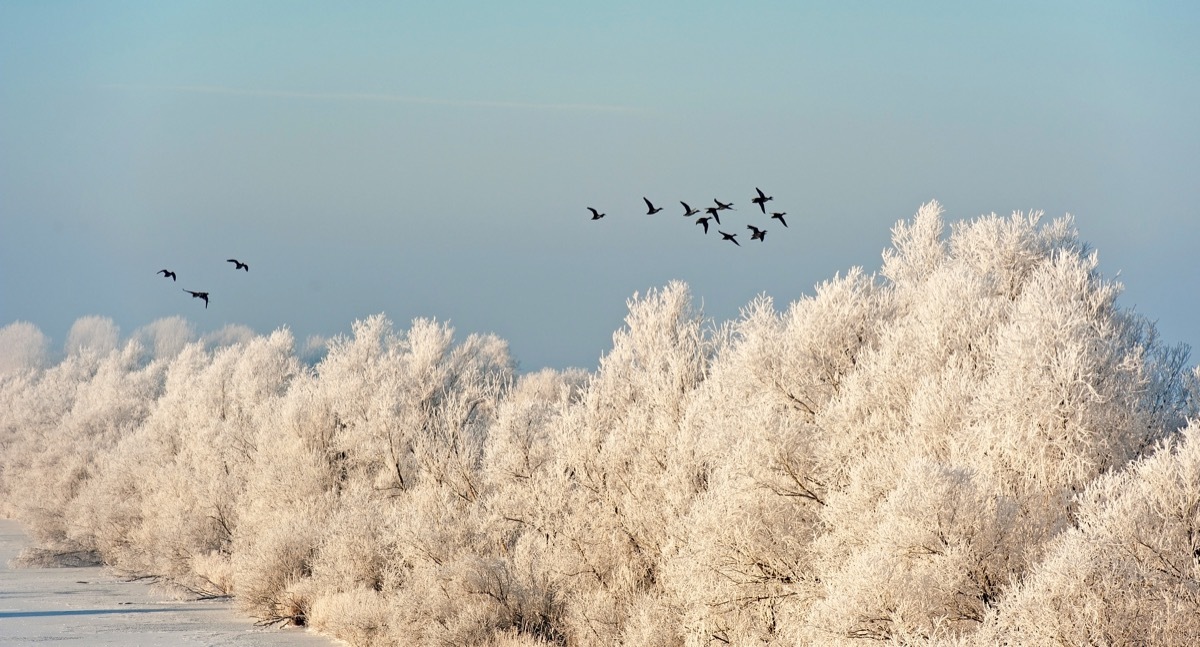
(88, 606)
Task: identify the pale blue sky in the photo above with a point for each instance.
(438, 160)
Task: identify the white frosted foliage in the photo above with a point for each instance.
(976, 445)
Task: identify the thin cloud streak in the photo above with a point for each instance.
(370, 97)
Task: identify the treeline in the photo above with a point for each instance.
(975, 446)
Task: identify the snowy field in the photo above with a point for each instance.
(87, 606)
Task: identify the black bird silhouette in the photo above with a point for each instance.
(704, 221)
(596, 215)
(712, 211)
(689, 211)
(761, 200)
(721, 206)
(650, 208)
(757, 234)
(167, 273)
(778, 215)
(238, 265)
(199, 295)
(730, 237)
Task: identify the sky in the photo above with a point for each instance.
(437, 159)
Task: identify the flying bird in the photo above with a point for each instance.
(757, 234)
(168, 274)
(689, 212)
(721, 206)
(238, 265)
(712, 211)
(730, 237)
(761, 200)
(199, 295)
(596, 215)
(778, 215)
(650, 208)
(704, 221)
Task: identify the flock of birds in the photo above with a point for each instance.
(714, 213)
(237, 265)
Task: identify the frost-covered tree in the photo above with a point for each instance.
(313, 350)
(412, 405)
(599, 505)
(1128, 572)
(168, 499)
(381, 447)
(79, 410)
(22, 347)
(165, 338)
(1010, 369)
(92, 334)
(229, 335)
